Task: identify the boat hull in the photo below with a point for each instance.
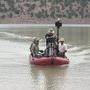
(48, 60)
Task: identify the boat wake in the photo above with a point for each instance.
(79, 54)
(76, 54)
(12, 35)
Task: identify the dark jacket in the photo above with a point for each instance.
(50, 38)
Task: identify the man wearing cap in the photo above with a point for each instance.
(50, 42)
(34, 48)
(62, 48)
(50, 37)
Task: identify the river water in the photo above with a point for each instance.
(17, 74)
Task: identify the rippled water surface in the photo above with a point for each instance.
(17, 74)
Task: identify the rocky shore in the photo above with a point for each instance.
(27, 20)
(44, 11)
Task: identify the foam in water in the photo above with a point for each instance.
(12, 35)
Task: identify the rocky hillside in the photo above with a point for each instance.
(33, 10)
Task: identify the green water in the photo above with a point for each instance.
(17, 74)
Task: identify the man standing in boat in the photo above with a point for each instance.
(50, 37)
(50, 42)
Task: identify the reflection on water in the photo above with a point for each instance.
(17, 74)
(48, 77)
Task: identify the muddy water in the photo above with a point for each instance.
(17, 74)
